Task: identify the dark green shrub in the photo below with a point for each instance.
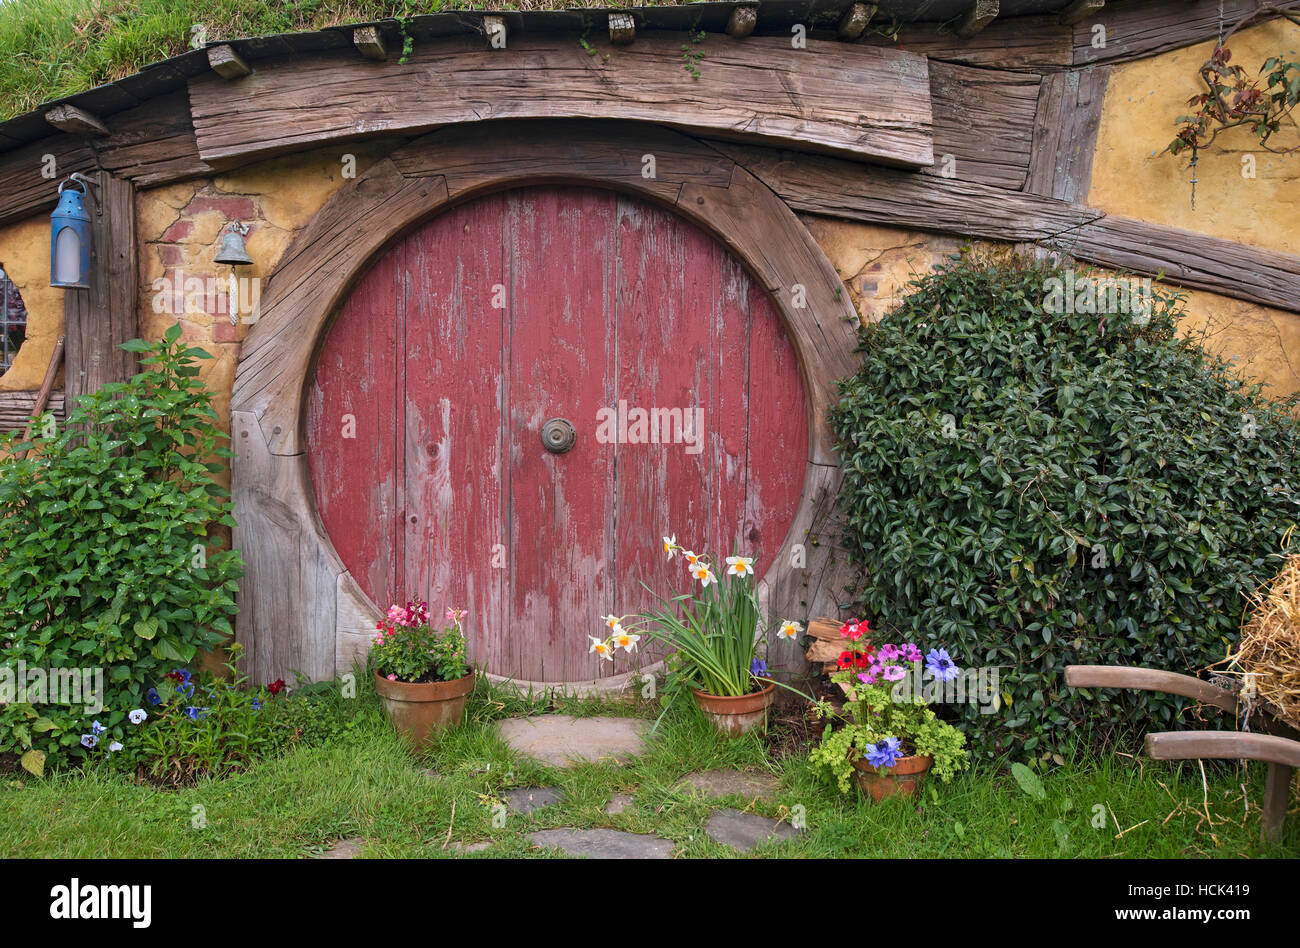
(105, 559)
(1032, 490)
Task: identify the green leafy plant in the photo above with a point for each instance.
(407, 648)
(110, 563)
(691, 52)
(1034, 485)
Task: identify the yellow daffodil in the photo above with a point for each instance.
(740, 566)
(703, 574)
(789, 630)
(601, 648)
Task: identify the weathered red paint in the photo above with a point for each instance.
(464, 338)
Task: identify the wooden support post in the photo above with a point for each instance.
(47, 386)
(227, 63)
(855, 19)
(1277, 788)
(69, 118)
(622, 28)
(979, 15)
(101, 318)
(370, 42)
(742, 21)
(1080, 10)
(494, 27)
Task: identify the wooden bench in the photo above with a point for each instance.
(1278, 746)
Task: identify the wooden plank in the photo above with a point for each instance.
(833, 188)
(1223, 745)
(370, 43)
(227, 63)
(100, 319)
(869, 105)
(1136, 30)
(30, 175)
(75, 121)
(17, 408)
(1150, 679)
(47, 386)
(977, 16)
(1065, 133)
(154, 143)
(1023, 42)
(983, 119)
(1277, 792)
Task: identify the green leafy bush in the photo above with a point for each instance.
(105, 537)
(1035, 488)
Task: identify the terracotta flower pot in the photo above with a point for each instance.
(905, 777)
(419, 711)
(735, 716)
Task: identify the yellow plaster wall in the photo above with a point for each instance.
(25, 256)
(1131, 177)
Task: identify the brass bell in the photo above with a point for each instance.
(232, 249)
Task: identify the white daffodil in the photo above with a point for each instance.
(740, 566)
(704, 574)
(625, 640)
(614, 623)
(601, 648)
(691, 558)
(789, 630)
(670, 545)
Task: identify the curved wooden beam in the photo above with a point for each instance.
(1150, 679)
(1223, 745)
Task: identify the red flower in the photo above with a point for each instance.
(845, 660)
(853, 629)
(276, 686)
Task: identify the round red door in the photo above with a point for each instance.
(580, 307)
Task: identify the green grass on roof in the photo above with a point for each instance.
(55, 48)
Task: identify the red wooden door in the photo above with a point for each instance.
(465, 338)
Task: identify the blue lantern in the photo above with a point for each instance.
(70, 237)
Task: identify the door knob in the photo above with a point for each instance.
(558, 435)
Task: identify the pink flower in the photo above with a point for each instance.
(894, 673)
(911, 652)
(455, 615)
(392, 678)
(888, 653)
(868, 677)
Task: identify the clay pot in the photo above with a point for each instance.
(735, 716)
(419, 711)
(905, 777)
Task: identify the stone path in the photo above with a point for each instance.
(558, 739)
(603, 843)
(744, 831)
(530, 799)
(720, 783)
(344, 849)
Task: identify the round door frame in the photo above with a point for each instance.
(299, 607)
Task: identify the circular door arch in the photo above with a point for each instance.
(468, 335)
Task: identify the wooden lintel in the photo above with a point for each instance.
(742, 21)
(977, 16)
(494, 28)
(75, 121)
(1081, 10)
(622, 28)
(855, 19)
(369, 42)
(227, 63)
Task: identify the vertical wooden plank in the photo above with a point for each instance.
(453, 366)
(561, 338)
(352, 416)
(99, 319)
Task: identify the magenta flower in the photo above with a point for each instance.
(888, 653)
(868, 677)
(894, 673)
(911, 653)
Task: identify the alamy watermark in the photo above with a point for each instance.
(636, 425)
(238, 297)
(22, 684)
(1098, 295)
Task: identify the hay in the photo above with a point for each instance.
(1267, 658)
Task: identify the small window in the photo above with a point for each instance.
(13, 321)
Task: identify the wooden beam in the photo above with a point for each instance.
(742, 21)
(227, 63)
(1277, 792)
(1150, 679)
(622, 28)
(370, 42)
(871, 104)
(1065, 133)
(17, 408)
(977, 16)
(983, 123)
(854, 21)
(99, 319)
(75, 121)
(1223, 745)
(1035, 43)
(1080, 10)
(47, 386)
(494, 28)
(1137, 30)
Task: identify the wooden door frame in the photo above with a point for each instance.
(300, 608)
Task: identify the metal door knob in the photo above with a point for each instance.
(558, 435)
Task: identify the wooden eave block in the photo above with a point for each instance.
(855, 19)
(227, 63)
(979, 15)
(75, 121)
(742, 21)
(622, 28)
(369, 42)
(1081, 9)
(495, 29)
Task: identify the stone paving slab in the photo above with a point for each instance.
(559, 739)
(720, 783)
(344, 849)
(603, 843)
(528, 799)
(744, 831)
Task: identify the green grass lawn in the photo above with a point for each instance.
(350, 777)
